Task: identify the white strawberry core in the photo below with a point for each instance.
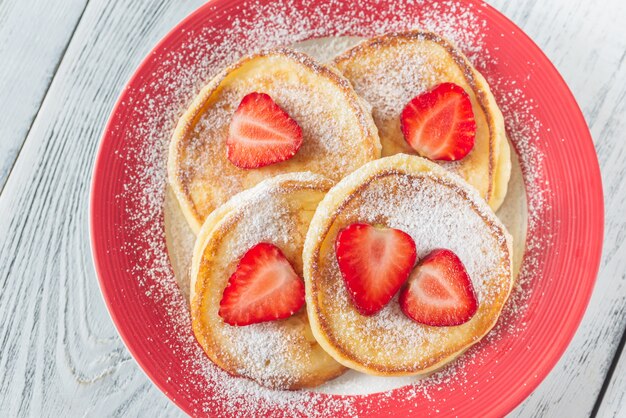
(429, 287)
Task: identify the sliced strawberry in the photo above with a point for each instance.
(374, 263)
(261, 133)
(440, 124)
(439, 291)
(264, 287)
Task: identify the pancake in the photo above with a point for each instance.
(338, 132)
(438, 210)
(277, 354)
(390, 70)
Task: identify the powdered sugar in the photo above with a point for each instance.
(338, 134)
(158, 104)
(267, 219)
(437, 220)
(392, 70)
(278, 353)
(388, 90)
(436, 215)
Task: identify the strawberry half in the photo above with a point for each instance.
(439, 291)
(440, 124)
(264, 287)
(261, 133)
(374, 263)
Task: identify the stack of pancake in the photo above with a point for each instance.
(344, 212)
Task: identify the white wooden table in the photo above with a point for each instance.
(62, 65)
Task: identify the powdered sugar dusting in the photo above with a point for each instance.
(157, 105)
(338, 135)
(390, 71)
(523, 130)
(388, 90)
(436, 221)
(436, 215)
(276, 353)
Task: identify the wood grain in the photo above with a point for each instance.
(61, 355)
(586, 42)
(59, 352)
(33, 37)
(613, 403)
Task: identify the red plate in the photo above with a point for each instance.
(561, 176)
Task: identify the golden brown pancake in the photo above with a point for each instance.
(339, 134)
(390, 70)
(438, 210)
(277, 354)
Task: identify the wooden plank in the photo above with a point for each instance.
(60, 352)
(592, 63)
(33, 38)
(61, 355)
